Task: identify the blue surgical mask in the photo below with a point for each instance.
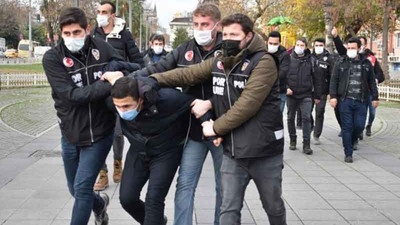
(129, 115)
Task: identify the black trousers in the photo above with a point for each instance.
(159, 170)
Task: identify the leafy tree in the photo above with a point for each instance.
(38, 33)
(181, 35)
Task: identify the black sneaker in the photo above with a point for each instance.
(102, 218)
(292, 145)
(348, 159)
(368, 130)
(361, 137)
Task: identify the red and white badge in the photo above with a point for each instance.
(220, 66)
(189, 56)
(68, 62)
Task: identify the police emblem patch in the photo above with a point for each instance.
(68, 62)
(189, 56)
(219, 65)
(96, 54)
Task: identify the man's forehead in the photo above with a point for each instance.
(72, 28)
(198, 18)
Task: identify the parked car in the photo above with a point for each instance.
(11, 53)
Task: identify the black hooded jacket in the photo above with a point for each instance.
(79, 94)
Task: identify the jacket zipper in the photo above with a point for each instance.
(90, 107)
(229, 99)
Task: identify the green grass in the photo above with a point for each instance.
(395, 105)
(33, 68)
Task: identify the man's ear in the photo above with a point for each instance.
(88, 28)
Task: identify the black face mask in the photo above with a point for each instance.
(230, 47)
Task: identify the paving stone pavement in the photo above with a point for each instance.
(318, 189)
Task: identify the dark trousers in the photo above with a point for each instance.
(305, 105)
(319, 116)
(118, 143)
(353, 114)
(266, 172)
(159, 170)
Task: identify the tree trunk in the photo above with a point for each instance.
(327, 7)
(385, 35)
(51, 33)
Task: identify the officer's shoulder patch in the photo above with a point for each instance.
(189, 56)
(68, 62)
(245, 64)
(220, 65)
(96, 54)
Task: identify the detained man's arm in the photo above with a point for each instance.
(256, 90)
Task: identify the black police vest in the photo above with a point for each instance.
(261, 135)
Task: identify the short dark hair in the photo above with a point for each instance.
(73, 15)
(275, 34)
(158, 37)
(355, 40)
(208, 9)
(113, 8)
(244, 21)
(362, 37)
(302, 39)
(125, 87)
(322, 40)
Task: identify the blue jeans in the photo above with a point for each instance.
(266, 172)
(372, 111)
(82, 165)
(353, 114)
(283, 101)
(192, 161)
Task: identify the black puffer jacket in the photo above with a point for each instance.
(121, 39)
(79, 94)
(301, 77)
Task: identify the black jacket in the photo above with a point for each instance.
(123, 42)
(78, 92)
(284, 62)
(148, 57)
(186, 54)
(324, 64)
(340, 79)
(301, 78)
(158, 127)
(367, 53)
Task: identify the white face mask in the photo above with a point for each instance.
(74, 44)
(299, 50)
(319, 50)
(102, 20)
(352, 53)
(204, 37)
(273, 48)
(158, 49)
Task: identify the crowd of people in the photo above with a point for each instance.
(223, 92)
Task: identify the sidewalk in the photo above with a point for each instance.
(318, 189)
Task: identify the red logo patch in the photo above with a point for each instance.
(189, 56)
(220, 66)
(68, 62)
